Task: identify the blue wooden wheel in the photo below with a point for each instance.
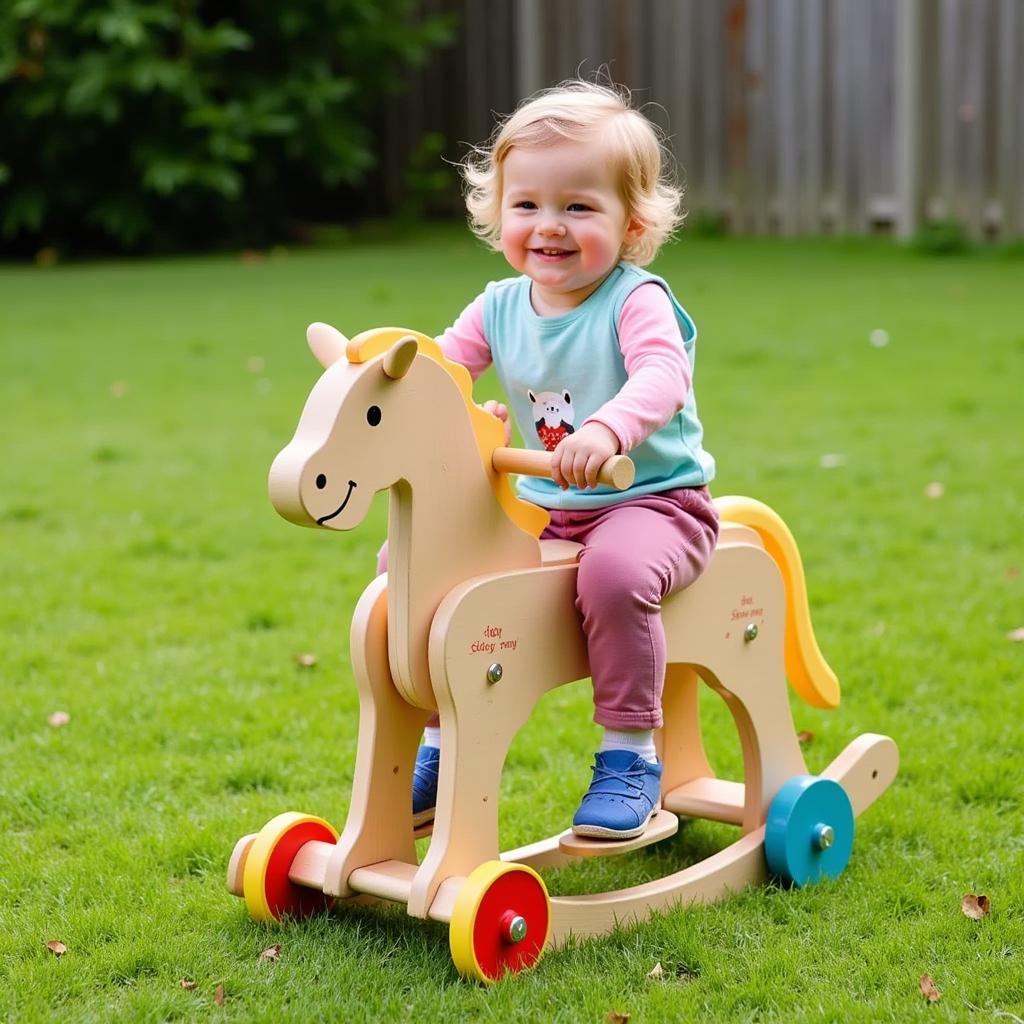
(809, 831)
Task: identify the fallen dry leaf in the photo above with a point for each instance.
(614, 1017)
(56, 947)
(218, 995)
(119, 389)
(306, 660)
(656, 971)
(975, 907)
(805, 736)
(256, 364)
(187, 985)
(928, 989)
(58, 718)
(1016, 635)
(271, 952)
(935, 490)
(1012, 572)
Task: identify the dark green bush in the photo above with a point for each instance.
(146, 125)
(942, 238)
(707, 224)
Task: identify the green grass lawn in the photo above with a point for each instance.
(151, 593)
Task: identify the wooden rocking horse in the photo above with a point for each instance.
(476, 619)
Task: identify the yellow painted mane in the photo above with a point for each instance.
(487, 429)
(806, 667)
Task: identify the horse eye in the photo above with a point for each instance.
(321, 481)
(373, 415)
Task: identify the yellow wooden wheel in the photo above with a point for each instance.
(501, 921)
(269, 893)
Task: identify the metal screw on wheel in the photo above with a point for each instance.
(809, 830)
(270, 894)
(501, 921)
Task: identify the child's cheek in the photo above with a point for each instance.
(597, 250)
(512, 250)
(512, 244)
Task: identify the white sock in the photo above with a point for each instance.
(432, 736)
(639, 741)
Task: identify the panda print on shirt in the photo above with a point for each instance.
(553, 416)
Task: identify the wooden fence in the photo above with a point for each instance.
(785, 116)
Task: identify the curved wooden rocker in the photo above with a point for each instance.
(476, 619)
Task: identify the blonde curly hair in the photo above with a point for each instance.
(579, 111)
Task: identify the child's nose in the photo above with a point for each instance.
(551, 226)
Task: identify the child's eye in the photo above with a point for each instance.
(577, 208)
(525, 204)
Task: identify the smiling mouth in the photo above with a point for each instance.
(341, 507)
(547, 253)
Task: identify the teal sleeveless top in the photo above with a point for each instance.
(557, 371)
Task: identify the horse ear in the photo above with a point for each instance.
(399, 357)
(327, 344)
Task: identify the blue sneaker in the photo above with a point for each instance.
(424, 785)
(623, 796)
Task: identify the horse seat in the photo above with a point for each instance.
(559, 552)
(565, 552)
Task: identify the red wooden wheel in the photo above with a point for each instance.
(269, 893)
(500, 922)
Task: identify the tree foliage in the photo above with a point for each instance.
(145, 124)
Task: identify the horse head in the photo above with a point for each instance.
(347, 443)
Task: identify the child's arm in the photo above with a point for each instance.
(658, 368)
(659, 381)
(464, 342)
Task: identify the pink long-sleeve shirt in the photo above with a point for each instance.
(652, 348)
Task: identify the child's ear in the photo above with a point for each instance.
(634, 229)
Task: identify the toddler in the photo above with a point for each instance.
(595, 356)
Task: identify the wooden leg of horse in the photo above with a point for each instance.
(379, 823)
(771, 751)
(527, 623)
(466, 821)
(680, 746)
(730, 625)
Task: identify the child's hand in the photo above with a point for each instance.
(579, 456)
(501, 411)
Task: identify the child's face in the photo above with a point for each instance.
(563, 222)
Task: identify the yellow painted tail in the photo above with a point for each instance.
(806, 667)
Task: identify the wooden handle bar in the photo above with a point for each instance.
(618, 471)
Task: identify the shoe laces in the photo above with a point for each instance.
(632, 779)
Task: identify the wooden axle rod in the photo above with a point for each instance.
(387, 880)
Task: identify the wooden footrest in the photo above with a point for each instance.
(714, 799)
(661, 826)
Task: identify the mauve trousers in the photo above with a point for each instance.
(634, 555)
